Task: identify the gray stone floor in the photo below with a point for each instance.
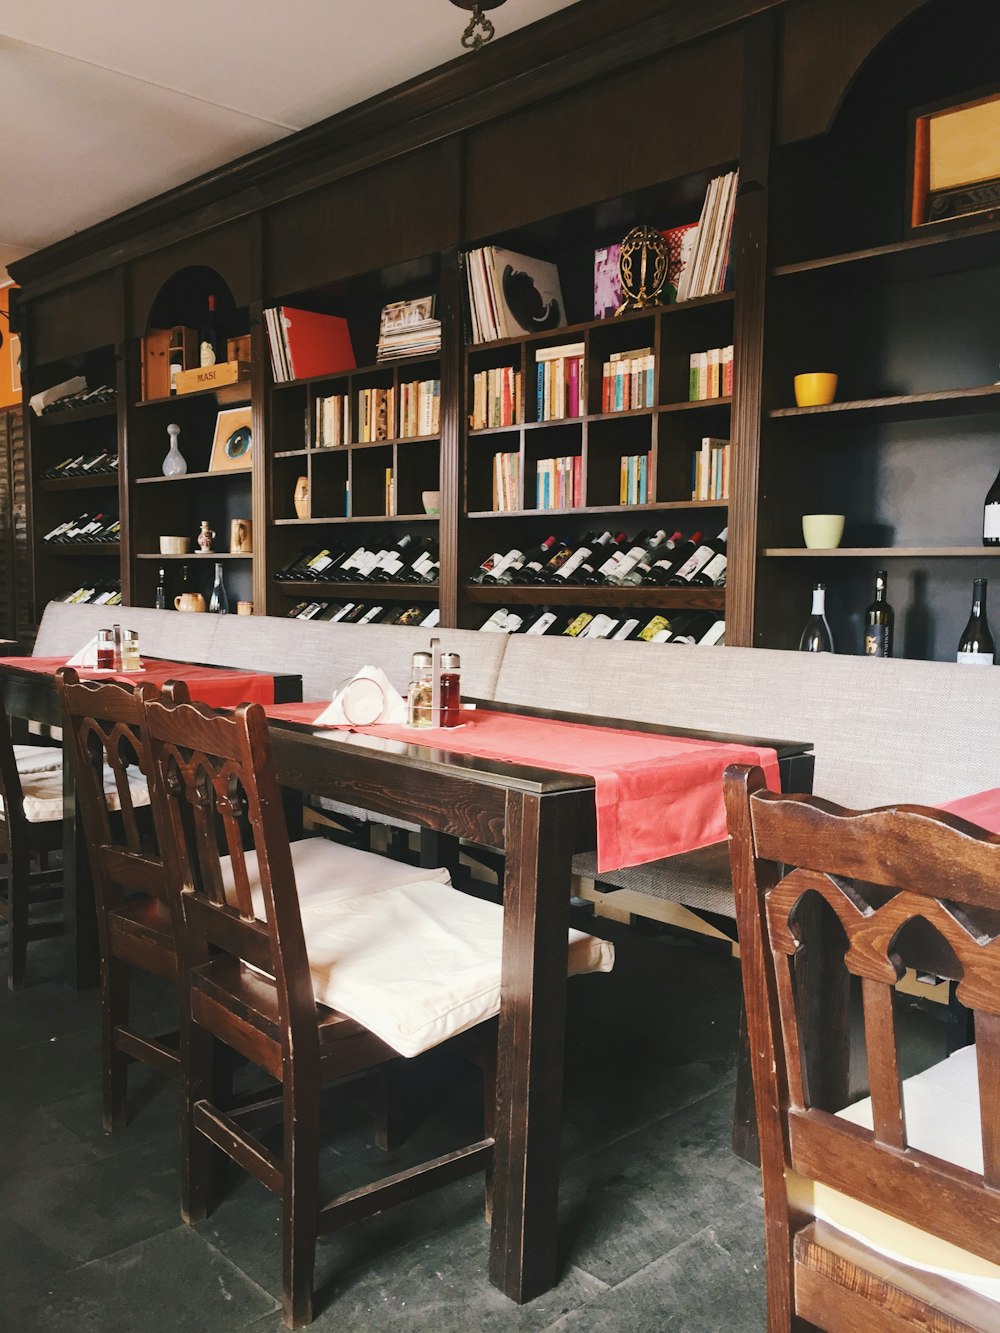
(660, 1225)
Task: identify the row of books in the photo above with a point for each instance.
(561, 390)
(511, 294)
(711, 374)
(497, 398)
(559, 482)
(506, 483)
(636, 472)
(303, 344)
(408, 328)
(376, 415)
(419, 408)
(705, 272)
(627, 380)
(333, 427)
(710, 470)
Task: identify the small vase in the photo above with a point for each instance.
(174, 464)
(301, 498)
(205, 538)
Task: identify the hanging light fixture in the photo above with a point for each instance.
(480, 29)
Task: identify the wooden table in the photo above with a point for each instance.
(538, 819)
(30, 696)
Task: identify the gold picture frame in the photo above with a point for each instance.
(232, 448)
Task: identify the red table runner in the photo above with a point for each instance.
(220, 687)
(656, 795)
(982, 808)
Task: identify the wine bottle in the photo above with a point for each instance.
(991, 515)
(602, 626)
(662, 570)
(816, 637)
(653, 553)
(578, 624)
(643, 543)
(546, 621)
(628, 629)
(976, 646)
(688, 627)
(394, 559)
(208, 337)
(698, 560)
(713, 573)
(536, 561)
(161, 590)
(560, 554)
(617, 550)
(879, 620)
(218, 603)
(506, 569)
(580, 566)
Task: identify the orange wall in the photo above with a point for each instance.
(10, 384)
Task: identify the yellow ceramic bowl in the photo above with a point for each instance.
(815, 389)
(822, 532)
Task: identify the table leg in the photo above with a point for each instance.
(539, 845)
(82, 949)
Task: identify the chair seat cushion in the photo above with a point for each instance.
(38, 759)
(418, 963)
(43, 794)
(943, 1120)
(330, 872)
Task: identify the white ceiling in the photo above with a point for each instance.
(106, 103)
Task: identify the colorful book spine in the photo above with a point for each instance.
(710, 470)
(711, 374)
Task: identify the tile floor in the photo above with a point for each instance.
(660, 1223)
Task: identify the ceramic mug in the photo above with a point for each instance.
(241, 536)
(189, 601)
(822, 532)
(816, 389)
(431, 501)
(175, 545)
(244, 608)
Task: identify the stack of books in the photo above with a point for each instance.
(511, 294)
(710, 470)
(559, 483)
(496, 398)
(332, 425)
(706, 271)
(627, 380)
(506, 483)
(635, 474)
(408, 328)
(711, 374)
(304, 344)
(376, 414)
(561, 390)
(420, 408)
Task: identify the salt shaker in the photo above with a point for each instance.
(105, 650)
(420, 700)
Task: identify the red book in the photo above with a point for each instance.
(506, 417)
(573, 391)
(317, 344)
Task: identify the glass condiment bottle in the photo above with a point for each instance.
(219, 601)
(420, 700)
(105, 650)
(451, 690)
(131, 661)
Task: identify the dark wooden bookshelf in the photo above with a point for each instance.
(426, 359)
(101, 480)
(196, 557)
(416, 592)
(880, 552)
(73, 416)
(535, 594)
(664, 506)
(931, 255)
(193, 476)
(942, 402)
(405, 519)
(82, 548)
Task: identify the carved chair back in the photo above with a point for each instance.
(884, 874)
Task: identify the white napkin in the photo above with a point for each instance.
(364, 690)
(87, 656)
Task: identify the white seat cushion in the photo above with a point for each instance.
(43, 794)
(38, 759)
(419, 962)
(942, 1119)
(329, 871)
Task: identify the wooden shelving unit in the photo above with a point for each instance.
(667, 599)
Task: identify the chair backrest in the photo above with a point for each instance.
(884, 874)
(105, 732)
(217, 794)
(13, 831)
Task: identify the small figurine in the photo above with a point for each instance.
(205, 538)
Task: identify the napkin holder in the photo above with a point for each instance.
(86, 657)
(393, 704)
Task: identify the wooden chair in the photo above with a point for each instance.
(106, 743)
(30, 832)
(249, 986)
(890, 877)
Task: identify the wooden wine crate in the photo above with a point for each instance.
(238, 349)
(212, 377)
(156, 364)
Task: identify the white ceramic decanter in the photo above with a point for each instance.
(174, 464)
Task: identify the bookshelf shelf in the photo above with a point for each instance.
(533, 594)
(379, 368)
(79, 548)
(943, 402)
(417, 592)
(72, 416)
(196, 556)
(105, 480)
(194, 476)
(920, 257)
(878, 552)
(229, 395)
(658, 506)
(356, 518)
(699, 405)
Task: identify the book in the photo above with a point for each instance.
(707, 270)
(710, 470)
(627, 380)
(511, 294)
(408, 328)
(560, 388)
(304, 344)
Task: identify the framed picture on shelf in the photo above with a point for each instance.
(232, 448)
(954, 163)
